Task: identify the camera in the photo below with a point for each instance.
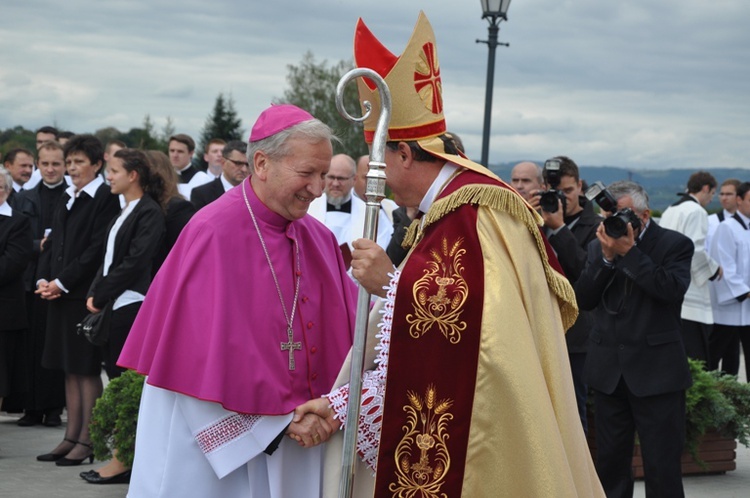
(617, 224)
(548, 199)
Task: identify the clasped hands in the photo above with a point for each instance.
(313, 423)
(48, 290)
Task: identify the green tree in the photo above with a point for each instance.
(312, 86)
(16, 137)
(223, 123)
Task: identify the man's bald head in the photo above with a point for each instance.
(526, 177)
(340, 178)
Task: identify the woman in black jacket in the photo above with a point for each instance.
(15, 253)
(133, 240)
(71, 255)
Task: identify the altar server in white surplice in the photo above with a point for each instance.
(688, 216)
(730, 246)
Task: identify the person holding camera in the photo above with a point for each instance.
(570, 226)
(635, 279)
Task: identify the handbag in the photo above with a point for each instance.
(95, 326)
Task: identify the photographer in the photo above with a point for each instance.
(569, 230)
(635, 278)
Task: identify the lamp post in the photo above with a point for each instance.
(494, 11)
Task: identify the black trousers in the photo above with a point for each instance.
(695, 337)
(660, 423)
(724, 339)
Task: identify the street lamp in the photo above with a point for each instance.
(494, 11)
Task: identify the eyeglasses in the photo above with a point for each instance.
(342, 179)
(239, 164)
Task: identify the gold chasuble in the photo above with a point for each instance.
(479, 401)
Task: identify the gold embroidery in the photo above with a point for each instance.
(426, 422)
(443, 308)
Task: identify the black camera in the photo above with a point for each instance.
(548, 199)
(617, 224)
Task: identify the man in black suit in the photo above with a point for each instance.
(234, 170)
(636, 361)
(46, 387)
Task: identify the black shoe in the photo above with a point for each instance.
(87, 472)
(94, 478)
(52, 420)
(70, 462)
(30, 419)
(54, 457)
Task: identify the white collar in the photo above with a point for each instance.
(225, 183)
(743, 217)
(53, 186)
(437, 186)
(5, 209)
(17, 186)
(90, 189)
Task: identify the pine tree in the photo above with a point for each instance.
(222, 123)
(312, 86)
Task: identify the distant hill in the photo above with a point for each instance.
(661, 185)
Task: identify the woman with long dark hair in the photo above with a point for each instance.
(133, 240)
(177, 209)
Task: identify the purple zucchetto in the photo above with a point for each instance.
(277, 118)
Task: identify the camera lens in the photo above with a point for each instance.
(548, 201)
(616, 225)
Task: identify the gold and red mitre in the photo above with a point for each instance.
(413, 78)
(416, 90)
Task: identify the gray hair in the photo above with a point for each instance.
(276, 146)
(633, 190)
(8, 179)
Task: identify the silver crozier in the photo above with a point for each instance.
(374, 193)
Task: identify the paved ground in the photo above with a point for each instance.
(21, 476)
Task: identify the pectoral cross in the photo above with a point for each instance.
(290, 346)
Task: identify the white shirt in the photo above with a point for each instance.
(225, 183)
(129, 296)
(5, 209)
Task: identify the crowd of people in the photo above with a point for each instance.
(239, 308)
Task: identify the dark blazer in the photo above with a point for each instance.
(136, 244)
(75, 248)
(637, 305)
(15, 252)
(401, 223)
(206, 194)
(29, 203)
(179, 212)
(570, 246)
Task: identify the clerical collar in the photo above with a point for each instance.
(179, 171)
(48, 185)
(438, 184)
(5, 209)
(345, 207)
(269, 218)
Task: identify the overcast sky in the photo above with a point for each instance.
(641, 84)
